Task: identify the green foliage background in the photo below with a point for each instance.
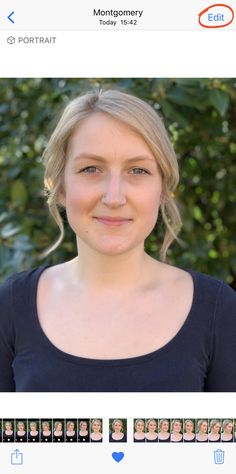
(200, 115)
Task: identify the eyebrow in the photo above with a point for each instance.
(102, 159)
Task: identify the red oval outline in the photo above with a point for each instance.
(208, 8)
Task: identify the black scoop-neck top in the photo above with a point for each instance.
(200, 357)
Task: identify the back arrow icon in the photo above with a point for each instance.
(9, 17)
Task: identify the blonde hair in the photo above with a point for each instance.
(176, 421)
(117, 421)
(142, 119)
(151, 420)
(213, 423)
(225, 423)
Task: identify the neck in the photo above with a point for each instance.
(94, 270)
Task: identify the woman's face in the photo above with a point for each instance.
(71, 426)
(21, 426)
(96, 426)
(140, 426)
(117, 426)
(204, 427)
(83, 426)
(177, 426)
(45, 426)
(33, 426)
(59, 427)
(216, 428)
(188, 427)
(152, 426)
(229, 428)
(165, 426)
(112, 186)
(8, 425)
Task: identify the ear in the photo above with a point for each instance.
(62, 197)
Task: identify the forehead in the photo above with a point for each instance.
(104, 135)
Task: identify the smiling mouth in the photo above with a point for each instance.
(113, 221)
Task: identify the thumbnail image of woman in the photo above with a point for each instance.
(118, 433)
(58, 432)
(189, 431)
(8, 432)
(214, 435)
(139, 430)
(176, 431)
(151, 431)
(46, 432)
(83, 434)
(33, 431)
(96, 431)
(227, 431)
(202, 431)
(111, 168)
(21, 433)
(71, 431)
(164, 434)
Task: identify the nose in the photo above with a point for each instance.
(114, 192)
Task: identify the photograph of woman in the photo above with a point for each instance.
(202, 431)
(151, 431)
(112, 174)
(33, 432)
(71, 431)
(164, 434)
(83, 434)
(21, 433)
(189, 431)
(176, 431)
(214, 435)
(96, 435)
(58, 433)
(139, 431)
(7, 431)
(117, 431)
(46, 432)
(227, 431)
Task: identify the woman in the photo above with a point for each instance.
(176, 431)
(96, 431)
(21, 433)
(83, 434)
(139, 434)
(202, 429)
(214, 435)
(110, 166)
(164, 434)
(46, 434)
(227, 431)
(189, 435)
(58, 434)
(117, 435)
(71, 436)
(8, 433)
(33, 434)
(151, 434)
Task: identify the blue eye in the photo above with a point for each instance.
(88, 169)
(139, 171)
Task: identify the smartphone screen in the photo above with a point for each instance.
(117, 236)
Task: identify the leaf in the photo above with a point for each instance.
(9, 229)
(19, 193)
(219, 100)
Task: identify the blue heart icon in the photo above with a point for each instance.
(118, 456)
